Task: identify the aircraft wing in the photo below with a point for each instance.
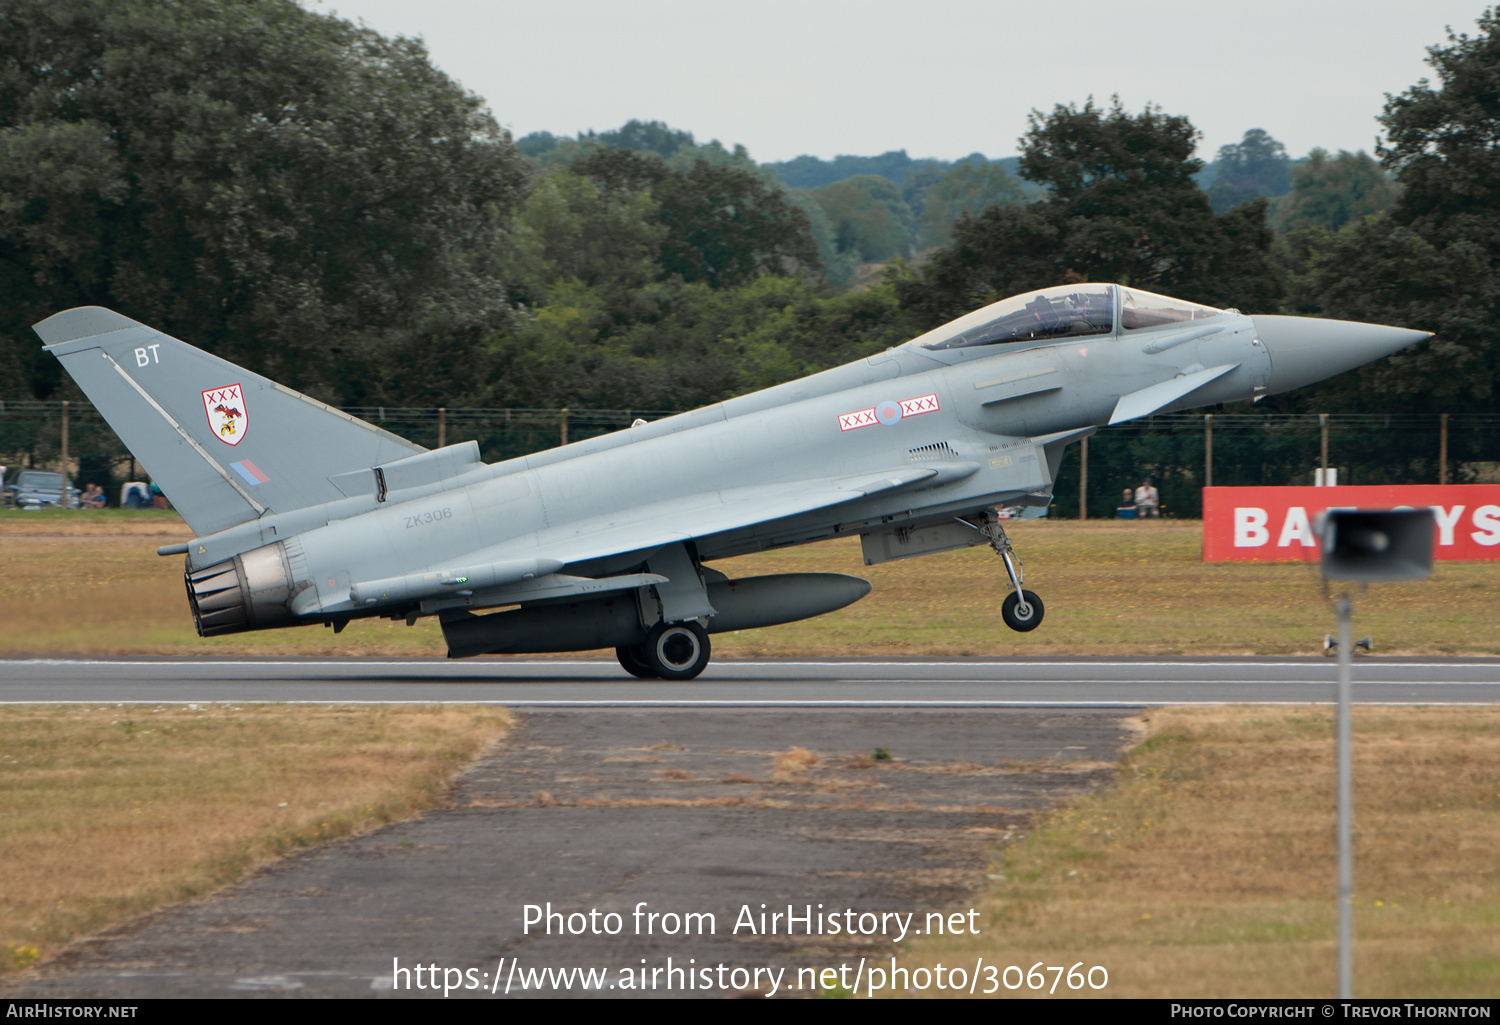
(536, 565)
(648, 527)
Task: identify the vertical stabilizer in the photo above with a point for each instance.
(225, 445)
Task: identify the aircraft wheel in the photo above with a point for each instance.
(633, 661)
(1022, 617)
(677, 651)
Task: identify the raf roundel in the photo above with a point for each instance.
(889, 413)
(228, 418)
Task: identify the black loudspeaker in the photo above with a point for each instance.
(1371, 545)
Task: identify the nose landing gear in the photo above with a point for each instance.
(1022, 609)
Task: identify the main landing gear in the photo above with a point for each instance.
(673, 651)
(1022, 610)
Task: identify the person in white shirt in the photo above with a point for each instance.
(1147, 500)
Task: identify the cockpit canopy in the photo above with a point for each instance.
(1065, 311)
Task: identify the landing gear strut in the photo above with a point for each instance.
(1022, 609)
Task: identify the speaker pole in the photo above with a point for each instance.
(1345, 804)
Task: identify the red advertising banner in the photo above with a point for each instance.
(1276, 524)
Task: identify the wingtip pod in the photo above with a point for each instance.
(80, 323)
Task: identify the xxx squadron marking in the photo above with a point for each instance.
(889, 412)
(227, 416)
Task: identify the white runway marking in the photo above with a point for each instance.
(437, 663)
(760, 683)
(753, 703)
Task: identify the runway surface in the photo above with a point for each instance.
(619, 795)
(892, 683)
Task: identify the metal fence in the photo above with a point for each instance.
(1184, 452)
(1181, 452)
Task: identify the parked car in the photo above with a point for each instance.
(38, 489)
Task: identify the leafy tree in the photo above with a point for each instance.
(838, 264)
(546, 150)
(1121, 205)
(570, 230)
(686, 344)
(919, 178)
(966, 188)
(806, 172)
(537, 143)
(1256, 167)
(1382, 272)
(1001, 251)
(1440, 142)
(674, 145)
(1433, 262)
(649, 137)
(869, 217)
(300, 195)
(1330, 191)
(725, 225)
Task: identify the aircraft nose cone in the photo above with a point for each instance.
(1308, 349)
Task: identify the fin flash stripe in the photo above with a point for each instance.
(253, 474)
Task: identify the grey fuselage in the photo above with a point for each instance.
(308, 515)
(1003, 415)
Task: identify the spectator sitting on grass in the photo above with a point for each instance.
(1147, 500)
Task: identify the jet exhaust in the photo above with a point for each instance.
(616, 622)
(248, 592)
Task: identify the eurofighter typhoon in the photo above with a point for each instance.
(305, 515)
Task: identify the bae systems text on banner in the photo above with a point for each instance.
(1277, 524)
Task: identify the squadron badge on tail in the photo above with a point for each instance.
(227, 417)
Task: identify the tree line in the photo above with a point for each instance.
(321, 204)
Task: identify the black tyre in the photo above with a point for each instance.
(1022, 617)
(677, 651)
(633, 661)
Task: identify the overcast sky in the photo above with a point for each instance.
(938, 78)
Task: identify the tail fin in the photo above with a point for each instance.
(225, 445)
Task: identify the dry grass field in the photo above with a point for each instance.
(106, 812)
(91, 583)
(1208, 870)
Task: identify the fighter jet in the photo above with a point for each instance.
(303, 514)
